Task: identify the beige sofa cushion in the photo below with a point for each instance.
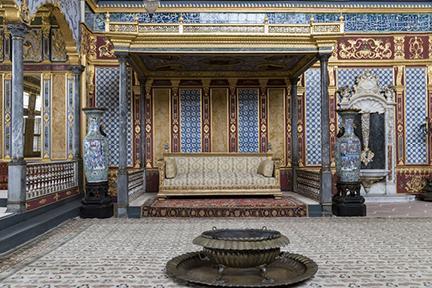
(265, 168)
(218, 180)
(170, 168)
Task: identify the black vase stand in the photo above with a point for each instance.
(348, 202)
(97, 203)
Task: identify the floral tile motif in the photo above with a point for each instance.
(416, 109)
(248, 136)
(107, 89)
(190, 120)
(313, 117)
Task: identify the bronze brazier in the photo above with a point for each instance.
(242, 248)
(249, 258)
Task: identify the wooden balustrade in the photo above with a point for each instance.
(309, 183)
(136, 183)
(51, 177)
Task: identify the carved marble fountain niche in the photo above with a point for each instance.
(375, 128)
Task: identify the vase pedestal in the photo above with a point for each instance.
(97, 203)
(348, 202)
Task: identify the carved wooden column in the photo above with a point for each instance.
(76, 125)
(17, 165)
(122, 178)
(294, 136)
(175, 116)
(142, 114)
(263, 116)
(206, 114)
(232, 110)
(326, 174)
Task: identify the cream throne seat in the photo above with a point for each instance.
(218, 174)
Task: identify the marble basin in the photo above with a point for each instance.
(368, 177)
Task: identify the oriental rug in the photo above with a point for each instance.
(224, 207)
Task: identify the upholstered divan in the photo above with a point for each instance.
(218, 174)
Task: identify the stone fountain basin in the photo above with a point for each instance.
(241, 248)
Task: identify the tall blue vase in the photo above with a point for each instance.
(348, 149)
(96, 157)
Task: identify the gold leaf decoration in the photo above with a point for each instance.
(365, 48)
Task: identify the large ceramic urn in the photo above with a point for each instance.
(348, 149)
(96, 155)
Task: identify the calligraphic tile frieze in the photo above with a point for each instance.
(354, 22)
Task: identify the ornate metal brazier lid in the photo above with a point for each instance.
(241, 239)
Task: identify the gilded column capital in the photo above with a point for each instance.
(294, 80)
(18, 30)
(77, 69)
(122, 56)
(324, 56)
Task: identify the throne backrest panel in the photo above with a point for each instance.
(210, 163)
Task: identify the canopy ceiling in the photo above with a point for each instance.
(276, 65)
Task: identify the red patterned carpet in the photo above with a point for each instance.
(225, 207)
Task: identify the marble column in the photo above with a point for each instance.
(17, 165)
(122, 176)
(294, 136)
(326, 174)
(76, 142)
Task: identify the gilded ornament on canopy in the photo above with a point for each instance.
(365, 48)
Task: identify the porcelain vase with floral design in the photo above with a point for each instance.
(348, 149)
(96, 157)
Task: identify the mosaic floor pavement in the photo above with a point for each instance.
(368, 252)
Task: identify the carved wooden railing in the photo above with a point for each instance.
(3, 175)
(51, 177)
(309, 183)
(135, 184)
(181, 28)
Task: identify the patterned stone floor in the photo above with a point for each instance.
(361, 252)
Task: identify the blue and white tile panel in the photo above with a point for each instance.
(7, 117)
(190, 120)
(107, 96)
(313, 117)
(347, 76)
(46, 119)
(248, 119)
(416, 113)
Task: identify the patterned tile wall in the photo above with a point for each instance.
(190, 120)
(416, 109)
(107, 89)
(248, 136)
(347, 76)
(313, 117)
